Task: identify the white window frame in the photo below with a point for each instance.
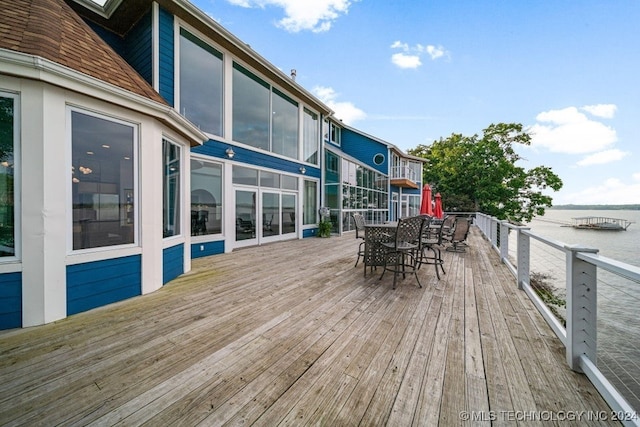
(17, 179)
(136, 181)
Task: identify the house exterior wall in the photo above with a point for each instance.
(49, 280)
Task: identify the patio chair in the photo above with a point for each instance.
(403, 253)
(432, 239)
(358, 219)
(459, 236)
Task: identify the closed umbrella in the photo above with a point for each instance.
(425, 207)
(438, 213)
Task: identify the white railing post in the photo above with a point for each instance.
(581, 307)
(524, 256)
(504, 241)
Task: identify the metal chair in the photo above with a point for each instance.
(432, 240)
(358, 219)
(459, 235)
(404, 250)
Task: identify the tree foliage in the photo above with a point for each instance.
(480, 173)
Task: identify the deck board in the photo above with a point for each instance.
(291, 333)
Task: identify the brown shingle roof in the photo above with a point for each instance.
(52, 30)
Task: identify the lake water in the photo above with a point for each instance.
(618, 331)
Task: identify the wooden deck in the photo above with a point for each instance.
(291, 333)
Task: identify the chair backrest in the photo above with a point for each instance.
(461, 230)
(358, 219)
(409, 230)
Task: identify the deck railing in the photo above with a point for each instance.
(618, 380)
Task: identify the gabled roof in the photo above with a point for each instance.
(52, 30)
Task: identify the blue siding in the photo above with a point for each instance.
(167, 60)
(112, 39)
(364, 149)
(10, 300)
(217, 149)
(309, 232)
(172, 262)
(199, 250)
(99, 283)
(138, 47)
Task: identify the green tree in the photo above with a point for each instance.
(480, 173)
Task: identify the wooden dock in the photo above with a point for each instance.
(291, 333)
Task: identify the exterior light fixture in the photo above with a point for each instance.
(230, 153)
(303, 170)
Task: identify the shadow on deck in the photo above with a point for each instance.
(292, 333)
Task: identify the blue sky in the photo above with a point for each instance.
(411, 72)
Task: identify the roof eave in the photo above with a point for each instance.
(37, 68)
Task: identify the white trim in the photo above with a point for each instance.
(155, 45)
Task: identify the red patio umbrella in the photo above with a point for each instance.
(438, 213)
(425, 207)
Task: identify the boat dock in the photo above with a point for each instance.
(600, 223)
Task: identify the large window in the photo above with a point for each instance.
(170, 189)
(251, 109)
(310, 137)
(284, 136)
(8, 141)
(201, 70)
(266, 118)
(310, 203)
(206, 197)
(103, 155)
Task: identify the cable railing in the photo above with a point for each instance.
(588, 300)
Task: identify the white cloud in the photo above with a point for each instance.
(611, 192)
(603, 157)
(606, 111)
(410, 55)
(570, 131)
(301, 15)
(345, 111)
(403, 60)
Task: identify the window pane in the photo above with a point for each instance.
(250, 109)
(270, 214)
(285, 126)
(245, 176)
(171, 189)
(103, 181)
(269, 179)
(200, 83)
(331, 165)
(206, 197)
(310, 137)
(289, 182)
(288, 213)
(310, 202)
(7, 132)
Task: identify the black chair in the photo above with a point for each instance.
(358, 220)
(432, 241)
(458, 238)
(403, 253)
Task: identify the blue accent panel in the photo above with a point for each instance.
(172, 262)
(112, 39)
(309, 232)
(138, 48)
(364, 148)
(167, 58)
(10, 300)
(199, 250)
(99, 283)
(215, 148)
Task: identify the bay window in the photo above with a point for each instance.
(171, 189)
(103, 158)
